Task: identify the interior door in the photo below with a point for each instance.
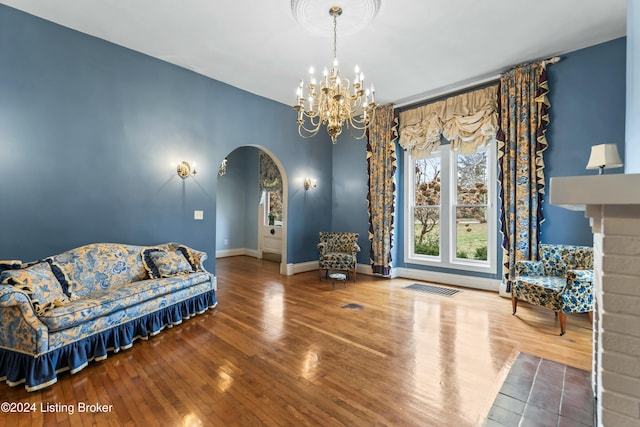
(270, 226)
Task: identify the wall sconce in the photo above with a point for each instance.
(604, 156)
(223, 167)
(310, 183)
(185, 170)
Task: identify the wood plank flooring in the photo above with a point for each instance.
(282, 351)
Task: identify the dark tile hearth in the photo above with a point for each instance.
(539, 392)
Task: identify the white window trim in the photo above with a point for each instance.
(447, 259)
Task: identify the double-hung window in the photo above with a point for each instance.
(450, 213)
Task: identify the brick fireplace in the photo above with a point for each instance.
(612, 202)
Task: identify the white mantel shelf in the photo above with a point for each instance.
(612, 203)
(575, 192)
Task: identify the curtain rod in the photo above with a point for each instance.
(456, 87)
(460, 86)
(552, 60)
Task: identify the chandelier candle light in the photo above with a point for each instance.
(334, 101)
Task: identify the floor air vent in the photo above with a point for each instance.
(429, 289)
(353, 306)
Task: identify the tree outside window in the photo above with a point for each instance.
(471, 208)
(427, 206)
(452, 220)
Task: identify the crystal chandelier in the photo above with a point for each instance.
(333, 101)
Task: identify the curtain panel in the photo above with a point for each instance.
(381, 165)
(468, 121)
(524, 119)
(269, 174)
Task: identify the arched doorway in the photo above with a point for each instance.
(240, 208)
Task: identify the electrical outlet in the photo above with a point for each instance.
(198, 214)
(226, 242)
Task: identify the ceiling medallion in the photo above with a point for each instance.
(333, 100)
(312, 15)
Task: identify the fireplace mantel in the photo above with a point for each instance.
(576, 192)
(612, 202)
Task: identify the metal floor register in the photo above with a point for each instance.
(429, 289)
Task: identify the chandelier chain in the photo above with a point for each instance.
(335, 35)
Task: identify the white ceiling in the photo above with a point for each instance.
(411, 49)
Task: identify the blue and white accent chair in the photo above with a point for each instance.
(562, 281)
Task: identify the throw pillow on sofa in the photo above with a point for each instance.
(189, 256)
(170, 263)
(39, 282)
(10, 264)
(148, 264)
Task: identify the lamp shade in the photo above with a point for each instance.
(604, 156)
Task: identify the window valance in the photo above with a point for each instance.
(469, 121)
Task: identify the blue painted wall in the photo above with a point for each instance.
(237, 201)
(350, 188)
(251, 194)
(587, 96)
(91, 134)
(632, 141)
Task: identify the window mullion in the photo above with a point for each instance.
(445, 205)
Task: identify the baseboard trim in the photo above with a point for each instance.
(223, 253)
(448, 279)
(414, 274)
(302, 267)
(365, 269)
(238, 252)
(253, 253)
(503, 290)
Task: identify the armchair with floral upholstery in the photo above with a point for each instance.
(562, 280)
(338, 251)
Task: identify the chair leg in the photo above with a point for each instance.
(591, 317)
(321, 274)
(354, 275)
(514, 303)
(563, 322)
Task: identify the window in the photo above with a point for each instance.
(450, 218)
(272, 203)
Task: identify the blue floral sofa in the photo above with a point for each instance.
(338, 251)
(562, 280)
(62, 312)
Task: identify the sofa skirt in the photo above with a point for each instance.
(37, 372)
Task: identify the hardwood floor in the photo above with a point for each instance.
(281, 350)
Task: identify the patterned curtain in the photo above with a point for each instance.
(521, 142)
(381, 165)
(270, 179)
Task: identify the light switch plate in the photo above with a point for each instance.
(198, 214)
